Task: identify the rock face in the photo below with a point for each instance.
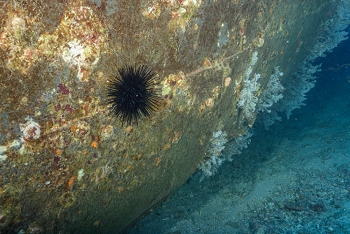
(67, 165)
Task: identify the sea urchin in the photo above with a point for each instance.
(132, 93)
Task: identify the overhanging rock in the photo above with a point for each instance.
(67, 166)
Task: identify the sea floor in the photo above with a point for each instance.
(293, 178)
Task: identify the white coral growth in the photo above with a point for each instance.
(304, 79)
(334, 32)
(269, 97)
(221, 150)
(298, 86)
(213, 158)
(272, 93)
(236, 145)
(247, 99)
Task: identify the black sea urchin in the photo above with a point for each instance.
(132, 93)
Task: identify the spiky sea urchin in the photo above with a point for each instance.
(132, 93)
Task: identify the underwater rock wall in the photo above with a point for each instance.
(70, 166)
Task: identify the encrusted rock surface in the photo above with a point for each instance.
(69, 167)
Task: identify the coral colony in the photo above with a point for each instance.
(276, 97)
